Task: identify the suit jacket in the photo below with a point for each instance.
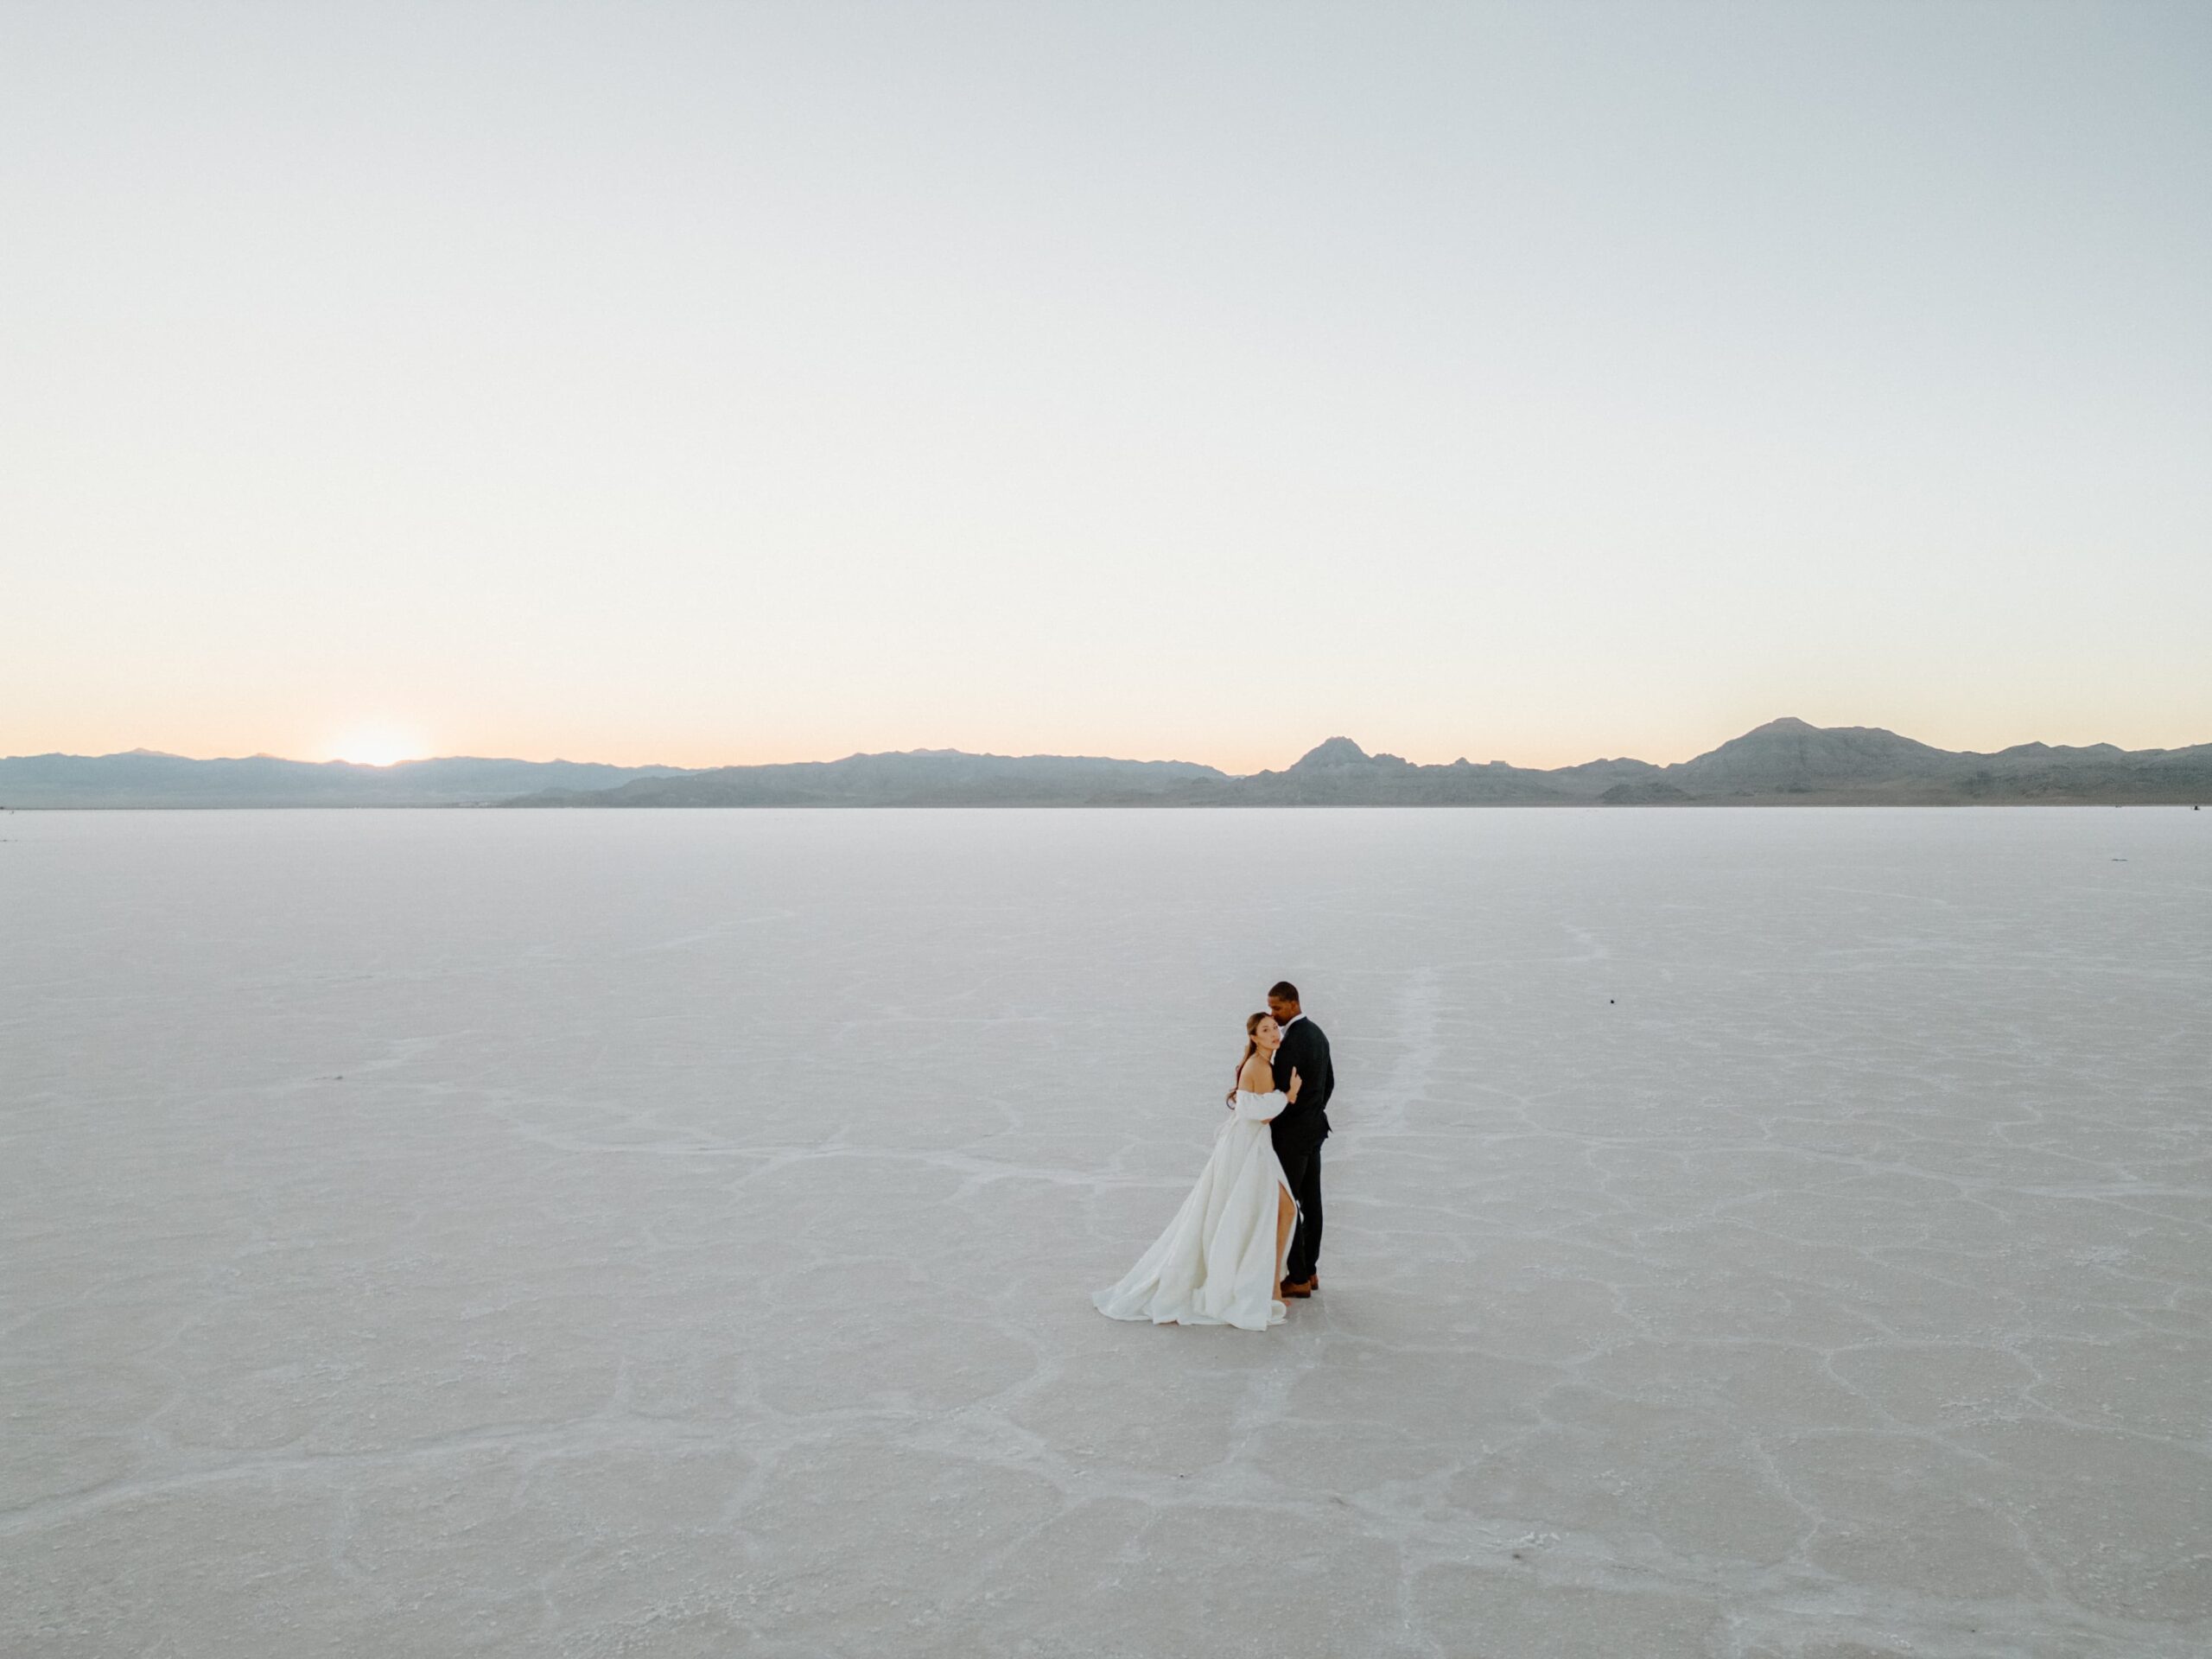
(1304, 1126)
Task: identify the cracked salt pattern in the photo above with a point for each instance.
(1771, 1233)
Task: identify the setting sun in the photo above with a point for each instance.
(375, 745)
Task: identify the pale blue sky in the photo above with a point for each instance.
(743, 383)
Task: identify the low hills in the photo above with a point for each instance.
(915, 777)
(1783, 762)
(145, 778)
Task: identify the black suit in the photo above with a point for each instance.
(1299, 1131)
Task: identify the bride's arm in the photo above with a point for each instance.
(1257, 1107)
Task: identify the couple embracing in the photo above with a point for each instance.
(1249, 1237)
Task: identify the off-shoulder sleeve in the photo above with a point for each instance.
(1260, 1109)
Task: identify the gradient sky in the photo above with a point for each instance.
(719, 383)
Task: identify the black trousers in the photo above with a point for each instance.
(1303, 1170)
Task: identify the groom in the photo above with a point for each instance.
(1300, 1130)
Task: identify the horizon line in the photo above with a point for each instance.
(144, 751)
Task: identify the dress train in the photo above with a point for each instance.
(1217, 1263)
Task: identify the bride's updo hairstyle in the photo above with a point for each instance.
(1251, 1036)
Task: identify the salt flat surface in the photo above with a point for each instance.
(1752, 1233)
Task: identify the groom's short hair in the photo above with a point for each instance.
(1283, 991)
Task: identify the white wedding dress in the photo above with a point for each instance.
(1216, 1263)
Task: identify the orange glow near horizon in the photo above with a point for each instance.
(376, 746)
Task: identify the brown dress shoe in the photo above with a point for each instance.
(1304, 1289)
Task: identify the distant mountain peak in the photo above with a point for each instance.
(1787, 723)
(1337, 752)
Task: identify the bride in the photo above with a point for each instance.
(1221, 1260)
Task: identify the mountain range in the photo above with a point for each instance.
(1784, 761)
